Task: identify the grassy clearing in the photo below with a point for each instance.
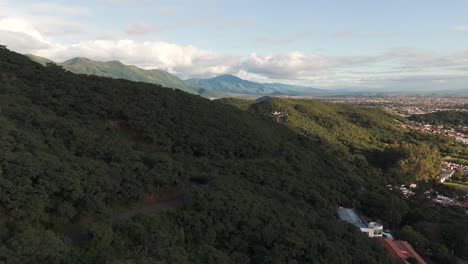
(458, 185)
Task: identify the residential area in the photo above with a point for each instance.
(459, 134)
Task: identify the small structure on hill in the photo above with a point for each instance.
(280, 116)
(446, 174)
(372, 229)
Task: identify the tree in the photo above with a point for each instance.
(458, 175)
(35, 246)
(418, 162)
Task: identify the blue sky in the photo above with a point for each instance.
(419, 45)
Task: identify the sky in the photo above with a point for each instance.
(381, 45)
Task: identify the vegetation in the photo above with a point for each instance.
(375, 144)
(415, 162)
(256, 188)
(117, 70)
(75, 147)
(454, 118)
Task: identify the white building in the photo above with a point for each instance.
(349, 215)
(446, 174)
(373, 229)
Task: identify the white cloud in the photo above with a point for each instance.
(57, 9)
(463, 29)
(185, 61)
(22, 42)
(294, 65)
(40, 35)
(141, 29)
(348, 34)
(19, 25)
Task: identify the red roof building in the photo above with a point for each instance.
(402, 251)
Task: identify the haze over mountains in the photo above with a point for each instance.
(220, 86)
(225, 85)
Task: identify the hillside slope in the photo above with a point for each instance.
(371, 138)
(75, 148)
(454, 118)
(118, 70)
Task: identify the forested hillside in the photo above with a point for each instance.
(76, 150)
(453, 118)
(118, 70)
(377, 143)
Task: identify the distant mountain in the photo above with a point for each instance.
(40, 60)
(230, 85)
(288, 89)
(118, 70)
(221, 86)
(234, 86)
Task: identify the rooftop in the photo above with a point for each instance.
(400, 250)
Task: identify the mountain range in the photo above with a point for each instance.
(118, 70)
(220, 86)
(225, 85)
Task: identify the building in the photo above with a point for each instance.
(446, 174)
(349, 215)
(440, 199)
(402, 251)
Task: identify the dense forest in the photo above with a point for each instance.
(77, 152)
(377, 142)
(453, 118)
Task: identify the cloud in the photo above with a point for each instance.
(347, 34)
(185, 61)
(463, 29)
(55, 9)
(141, 29)
(394, 67)
(40, 27)
(41, 35)
(22, 42)
(294, 65)
(117, 2)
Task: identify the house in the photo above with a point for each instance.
(440, 199)
(349, 215)
(446, 174)
(401, 251)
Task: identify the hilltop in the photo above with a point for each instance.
(118, 70)
(245, 181)
(76, 148)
